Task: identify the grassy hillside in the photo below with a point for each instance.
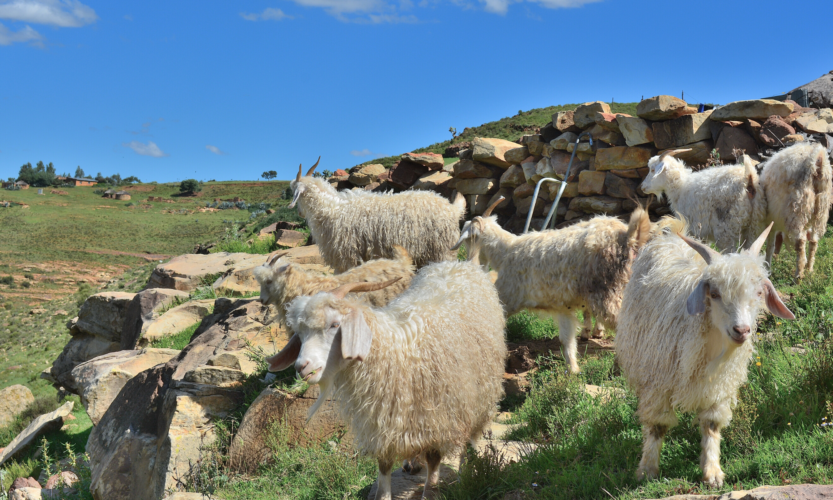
(511, 128)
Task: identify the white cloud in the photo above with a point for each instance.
(62, 13)
(363, 152)
(342, 6)
(149, 149)
(268, 14)
(215, 150)
(502, 6)
(25, 34)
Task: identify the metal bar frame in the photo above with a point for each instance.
(554, 207)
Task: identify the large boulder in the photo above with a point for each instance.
(661, 107)
(635, 130)
(517, 155)
(13, 400)
(564, 121)
(250, 447)
(432, 161)
(143, 310)
(470, 169)
(757, 109)
(512, 177)
(596, 205)
(44, 423)
(735, 139)
(175, 320)
(773, 131)
(491, 151)
(99, 380)
(405, 173)
(622, 158)
(585, 115)
(433, 181)
(366, 174)
(477, 186)
(155, 428)
(680, 131)
(591, 183)
(816, 121)
(620, 187)
(698, 155)
(97, 330)
(189, 271)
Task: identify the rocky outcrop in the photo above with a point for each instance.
(44, 423)
(791, 492)
(250, 449)
(13, 400)
(187, 272)
(99, 380)
(143, 310)
(152, 433)
(175, 320)
(97, 330)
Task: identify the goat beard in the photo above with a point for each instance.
(326, 391)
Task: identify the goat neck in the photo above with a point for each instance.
(494, 241)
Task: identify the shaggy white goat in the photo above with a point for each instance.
(684, 338)
(797, 183)
(282, 281)
(554, 273)
(352, 227)
(423, 374)
(722, 204)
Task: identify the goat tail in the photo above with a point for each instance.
(401, 254)
(639, 229)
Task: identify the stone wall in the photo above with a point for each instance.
(605, 175)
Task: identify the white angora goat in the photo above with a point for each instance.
(684, 338)
(423, 374)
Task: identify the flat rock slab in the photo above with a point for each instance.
(792, 492)
(13, 400)
(187, 272)
(44, 423)
(175, 320)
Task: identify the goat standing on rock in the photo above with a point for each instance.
(352, 227)
(422, 375)
(557, 272)
(684, 339)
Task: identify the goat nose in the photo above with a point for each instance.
(299, 367)
(741, 330)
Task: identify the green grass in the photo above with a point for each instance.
(177, 341)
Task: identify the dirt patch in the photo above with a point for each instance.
(58, 191)
(140, 189)
(522, 355)
(146, 256)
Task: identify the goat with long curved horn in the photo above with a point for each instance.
(704, 250)
(497, 202)
(758, 244)
(365, 286)
(673, 152)
(312, 170)
(298, 177)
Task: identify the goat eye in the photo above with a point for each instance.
(335, 324)
(715, 295)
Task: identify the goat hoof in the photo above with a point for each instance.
(713, 476)
(646, 473)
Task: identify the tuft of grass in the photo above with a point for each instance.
(177, 341)
(527, 326)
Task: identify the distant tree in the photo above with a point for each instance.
(453, 132)
(100, 178)
(114, 180)
(131, 180)
(40, 167)
(190, 186)
(272, 174)
(79, 172)
(265, 175)
(326, 173)
(50, 169)
(26, 174)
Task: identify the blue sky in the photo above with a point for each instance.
(225, 90)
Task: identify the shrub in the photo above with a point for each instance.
(7, 280)
(83, 293)
(190, 186)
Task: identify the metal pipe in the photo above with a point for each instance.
(561, 188)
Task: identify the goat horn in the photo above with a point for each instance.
(362, 286)
(298, 177)
(497, 202)
(673, 152)
(755, 249)
(313, 167)
(273, 257)
(705, 251)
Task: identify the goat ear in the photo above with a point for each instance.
(355, 336)
(287, 356)
(659, 168)
(774, 304)
(696, 302)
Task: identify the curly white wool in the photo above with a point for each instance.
(722, 204)
(352, 227)
(556, 273)
(797, 183)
